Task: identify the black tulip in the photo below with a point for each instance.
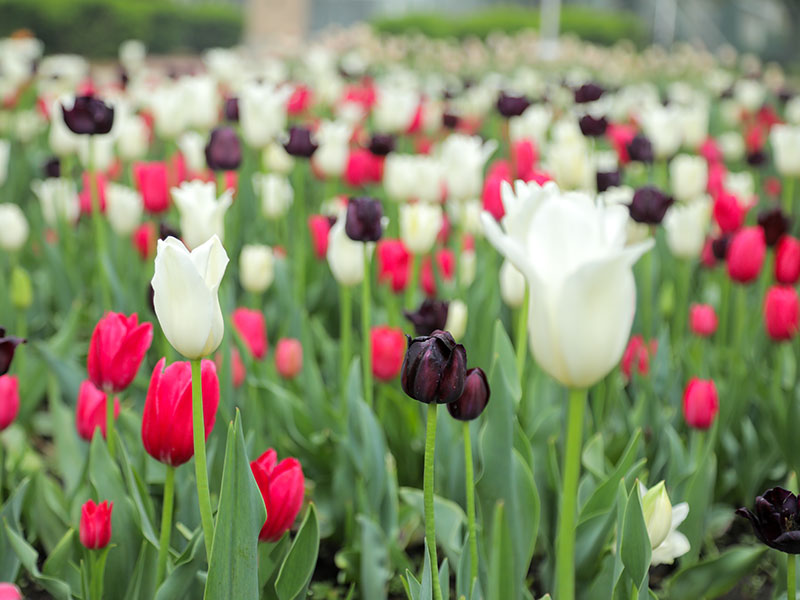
(166, 230)
(719, 246)
(640, 149)
(775, 520)
(649, 205)
(8, 343)
(434, 368)
(89, 116)
(450, 120)
(774, 223)
(785, 94)
(363, 220)
(223, 151)
(756, 158)
(381, 144)
(473, 399)
(300, 142)
(430, 316)
(52, 167)
(591, 127)
(510, 105)
(608, 179)
(232, 109)
(588, 92)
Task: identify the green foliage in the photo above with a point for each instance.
(163, 26)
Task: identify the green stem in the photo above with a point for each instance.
(96, 570)
(724, 316)
(740, 315)
(2, 472)
(522, 333)
(366, 353)
(99, 232)
(346, 326)
(647, 294)
(565, 540)
(298, 232)
(110, 423)
(166, 524)
(788, 194)
(469, 479)
(682, 302)
(430, 528)
(413, 282)
(201, 471)
(791, 577)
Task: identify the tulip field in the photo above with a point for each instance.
(393, 317)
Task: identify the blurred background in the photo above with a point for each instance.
(95, 28)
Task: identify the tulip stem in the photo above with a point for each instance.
(166, 524)
(791, 577)
(647, 294)
(201, 471)
(430, 528)
(522, 333)
(110, 423)
(565, 540)
(788, 194)
(366, 352)
(99, 232)
(413, 281)
(346, 326)
(469, 479)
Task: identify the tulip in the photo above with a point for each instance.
(394, 262)
(192, 147)
(59, 200)
(662, 521)
(688, 177)
(238, 370)
(282, 487)
(144, 240)
(151, 179)
(276, 194)
(381, 144)
(608, 179)
(686, 227)
(700, 403)
(774, 520)
(185, 299)
(262, 112)
(408, 176)
(588, 92)
(659, 124)
(289, 357)
(509, 105)
(787, 260)
(91, 411)
(785, 141)
(639, 149)
(702, 320)
(116, 350)
(512, 285)
(223, 151)
(345, 256)
(362, 168)
(231, 109)
(637, 356)
(445, 266)
(133, 138)
(593, 126)
(649, 205)
(202, 213)
(88, 115)
(419, 225)
(395, 108)
(473, 399)
(363, 220)
(430, 316)
(8, 591)
(8, 344)
(456, 322)
(9, 400)
(781, 312)
(123, 208)
(746, 254)
(388, 350)
(95, 526)
(299, 101)
(167, 417)
(252, 328)
(332, 155)
(524, 157)
(775, 225)
(300, 143)
(256, 268)
(434, 368)
(462, 158)
(13, 227)
(320, 227)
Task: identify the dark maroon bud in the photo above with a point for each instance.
(363, 220)
(608, 179)
(331, 220)
(726, 93)
(52, 167)
(223, 151)
(430, 316)
(381, 144)
(123, 78)
(166, 230)
(151, 294)
(89, 116)
(300, 143)
(776, 520)
(774, 223)
(591, 127)
(232, 109)
(510, 105)
(473, 399)
(719, 247)
(450, 120)
(8, 343)
(756, 158)
(785, 94)
(640, 149)
(588, 92)
(649, 205)
(434, 368)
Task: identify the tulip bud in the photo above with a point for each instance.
(8, 344)
(151, 180)
(363, 220)
(90, 411)
(608, 179)
(13, 227)
(657, 511)
(434, 368)
(728, 212)
(787, 260)
(774, 520)
(686, 227)
(282, 487)
(8, 591)
(702, 320)
(588, 92)
(473, 399)
(637, 356)
(688, 177)
(394, 263)
(300, 143)
(231, 109)
(345, 256)
(640, 149)
(289, 357)
(649, 205)
(775, 225)
(509, 105)
(320, 227)
(9, 400)
(256, 268)
(456, 322)
(781, 312)
(223, 151)
(746, 254)
(88, 115)
(123, 208)
(202, 213)
(381, 144)
(252, 328)
(95, 527)
(388, 350)
(419, 225)
(700, 403)
(593, 126)
(21, 288)
(185, 298)
(116, 350)
(276, 194)
(430, 316)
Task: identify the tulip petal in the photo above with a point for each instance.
(506, 245)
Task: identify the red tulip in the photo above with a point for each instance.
(167, 418)
(787, 260)
(144, 239)
(251, 326)
(637, 356)
(95, 529)
(299, 101)
(491, 196)
(700, 403)
(282, 486)
(237, 368)
(524, 157)
(746, 254)
(388, 349)
(620, 136)
(709, 150)
(8, 591)
(151, 179)
(707, 257)
(116, 350)
(446, 263)
(319, 226)
(289, 357)
(702, 319)
(85, 196)
(781, 312)
(394, 263)
(9, 400)
(362, 168)
(728, 212)
(90, 410)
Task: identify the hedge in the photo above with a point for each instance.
(601, 27)
(95, 28)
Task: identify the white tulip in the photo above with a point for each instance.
(97, 149)
(660, 124)
(688, 177)
(456, 322)
(13, 227)
(169, 115)
(512, 285)
(331, 155)
(133, 138)
(123, 208)
(345, 256)
(467, 267)
(62, 141)
(686, 226)
(276, 193)
(58, 197)
(394, 109)
(201, 101)
(662, 521)
(740, 184)
(749, 93)
(185, 286)
(202, 214)
(531, 124)
(785, 140)
(693, 122)
(793, 110)
(132, 54)
(5, 151)
(407, 176)
(256, 268)
(193, 149)
(262, 112)
(420, 223)
(731, 144)
(462, 158)
(579, 272)
(275, 158)
(570, 165)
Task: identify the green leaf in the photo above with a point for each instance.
(501, 561)
(57, 563)
(9, 563)
(270, 557)
(449, 518)
(178, 583)
(635, 544)
(233, 572)
(297, 569)
(426, 586)
(374, 565)
(715, 576)
(29, 557)
(142, 583)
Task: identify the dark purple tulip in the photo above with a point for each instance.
(223, 151)
(608, 179)
(510, 105)
(52, 167)
(381, 144)
(785, 94)
(300, 142)
(434, 368)
(473, 399)
(450, 120)
(8, 343)
(430, 316)
(775, 520)
(363, 220)
(591, 127)
(166, 230)
(89, 116)
(756, 158)
(649, 205)
(719, 247)
(774, 223)
(232, 109)
(588, 92)
(640, 149)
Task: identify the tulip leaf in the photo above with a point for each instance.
(29, 558)
(233, 572)
(297, 569)
(270, 557)
(715, 576)
(138, 494)
(57, 563)
(9, 563)
(501, 584)
(635, 543)
(178, 582)
(374, 562)
(426, 585)
(449, 518)
(142, 583)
